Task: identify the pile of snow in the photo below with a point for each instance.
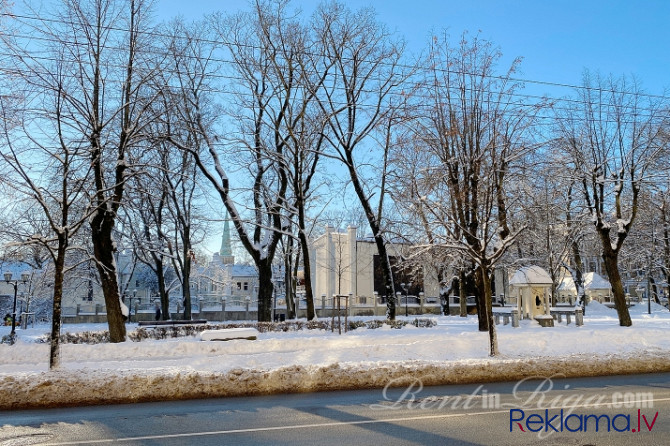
(453, 351)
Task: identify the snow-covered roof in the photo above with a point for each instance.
(567, 284)
(242, 271)
(530, 275)
(593, 281)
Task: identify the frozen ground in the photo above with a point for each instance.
(451, 352)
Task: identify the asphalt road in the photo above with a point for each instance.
(596, 411)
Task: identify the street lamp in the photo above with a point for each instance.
(406, 287)
(130, 306)
(15, 283)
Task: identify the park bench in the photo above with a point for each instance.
(506, 314)
(229, 334)
(558, 313)
(545, 320)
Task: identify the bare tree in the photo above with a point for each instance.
(102, 103)
(299, 70)
(360, 104)
(111, 133)
(59, 189)
(663, 206)
(182, 192)
(259, 142)
(613, 136)
(148, 224)
(474, 133)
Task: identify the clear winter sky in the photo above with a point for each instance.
(557, 39)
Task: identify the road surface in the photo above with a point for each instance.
(618, 410)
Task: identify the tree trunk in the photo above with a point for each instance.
(488, 310)
(462, 295)
(165, 296)
(578, 278)
(611, 266)
(265, 288)
(654, 287)
(296, 268)
(482, 284)
(373, 221)
(307, 270)
(59, 266)
(103, 250)
(289, 291)
(186, 282)
(290, 304)
(387, 277)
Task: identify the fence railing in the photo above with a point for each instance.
(245, 307)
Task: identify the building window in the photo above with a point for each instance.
(246, 286)
(239, 285)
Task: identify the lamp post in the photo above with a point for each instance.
(130, 306)
(405, 287)
(15, 283)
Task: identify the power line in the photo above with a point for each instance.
(425, 96)
(153, 33)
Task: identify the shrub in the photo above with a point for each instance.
(424, 322)
(353, 325)
(176, 331)
(376, 323)
(396, 324)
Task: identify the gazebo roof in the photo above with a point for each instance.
(593, 281)
(530, 275)
(567, 284)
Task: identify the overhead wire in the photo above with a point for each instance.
(519, 97)
(153, 33)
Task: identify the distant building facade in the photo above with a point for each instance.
(222, 278)
(343, 263)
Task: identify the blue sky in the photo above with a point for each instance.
(557, 39)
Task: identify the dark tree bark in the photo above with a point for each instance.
(474, 137)
(54, 341)
(462, 294)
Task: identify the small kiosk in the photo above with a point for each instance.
(532, 287)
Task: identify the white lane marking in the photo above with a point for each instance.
(275, 428)
(313, 425)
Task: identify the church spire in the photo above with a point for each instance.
(226, 251)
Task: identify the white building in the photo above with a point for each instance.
(342, 263)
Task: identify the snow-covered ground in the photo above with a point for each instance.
(454, 351)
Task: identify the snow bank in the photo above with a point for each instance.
(90, 387)
(452, 352)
